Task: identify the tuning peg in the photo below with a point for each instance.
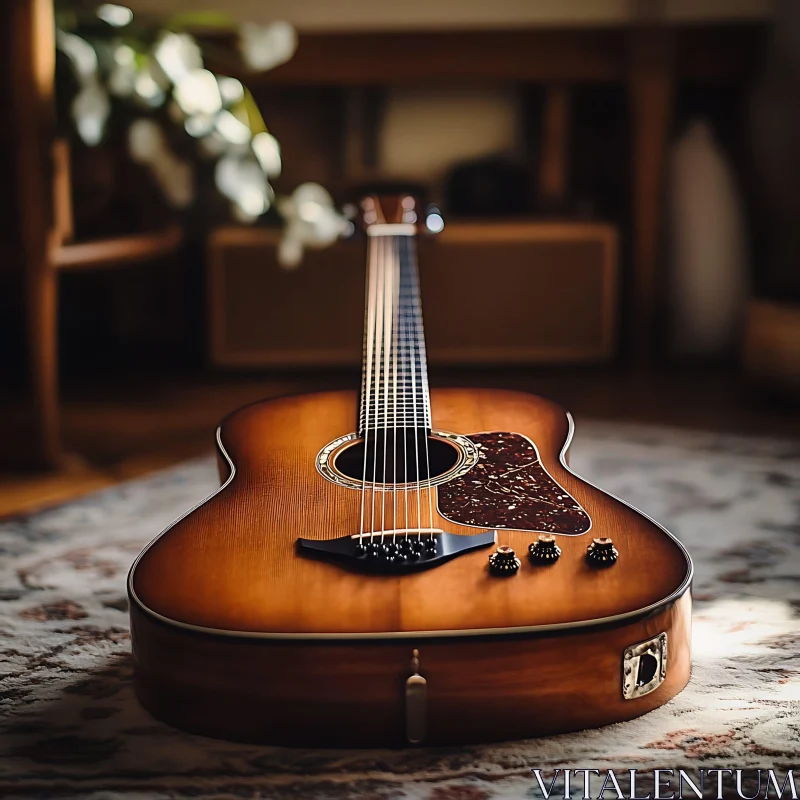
(434, 221)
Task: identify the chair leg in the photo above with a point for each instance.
(33, 59)
(42, 322)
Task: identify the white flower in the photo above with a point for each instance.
(232, 129)
(175, 177)
(290, 250)
(311, 221)
(147, 88)
(268, 153)
(199, 125)
(197, 92)
(145, 140)
(80, 53)
(122, 80)
(230, 89)
(90, 109)
(242, 181)
(266, 46)
(115, 15)
(177, 54)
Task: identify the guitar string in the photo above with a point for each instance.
(378, 346)
(395, 343)
(366, 389)
(414, 412)
(388, 323)
(388, 297)
(405, 399)
(420, 343)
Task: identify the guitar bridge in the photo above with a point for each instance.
(395, 551)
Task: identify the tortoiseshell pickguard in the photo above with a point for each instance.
(509, 488)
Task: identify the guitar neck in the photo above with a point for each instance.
(394, 383)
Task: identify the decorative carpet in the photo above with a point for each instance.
(71, 727)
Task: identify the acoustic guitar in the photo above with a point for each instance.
(399, 565)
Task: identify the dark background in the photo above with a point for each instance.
(109, 366)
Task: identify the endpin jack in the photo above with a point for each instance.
(416, 702)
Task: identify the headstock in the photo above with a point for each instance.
(398, 208)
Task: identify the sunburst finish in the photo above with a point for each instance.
(238, 634)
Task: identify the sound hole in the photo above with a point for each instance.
(395, 458)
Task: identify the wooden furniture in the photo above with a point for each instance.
(648, 59)
(771, 347)
(31, 40)
(482, 282)
(646, 54)
(553, 167)
(333, 590)
(119, 250)
(41, 247)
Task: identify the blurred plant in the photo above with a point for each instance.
(311, 221)
(156, 70)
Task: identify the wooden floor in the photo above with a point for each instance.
(122, 429)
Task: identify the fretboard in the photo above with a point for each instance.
(394, 384)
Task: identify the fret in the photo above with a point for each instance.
(389, 414)
(400, 385)
(407, 402)
(408, 407)
(394, 386)
(415, 420)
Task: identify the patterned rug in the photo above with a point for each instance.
(70, 725)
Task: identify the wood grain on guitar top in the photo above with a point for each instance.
(232, 564)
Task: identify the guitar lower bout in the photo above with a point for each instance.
(284, 637)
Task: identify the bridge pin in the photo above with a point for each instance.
(417, 549)
(390, 552)
(406, 548)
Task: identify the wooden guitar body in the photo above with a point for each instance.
(241, 632)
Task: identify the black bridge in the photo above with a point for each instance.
(395, 551)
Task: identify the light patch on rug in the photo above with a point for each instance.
(70, 725)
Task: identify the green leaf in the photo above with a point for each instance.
(201, 19)
(254, 118)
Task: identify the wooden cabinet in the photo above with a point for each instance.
(493, 293)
